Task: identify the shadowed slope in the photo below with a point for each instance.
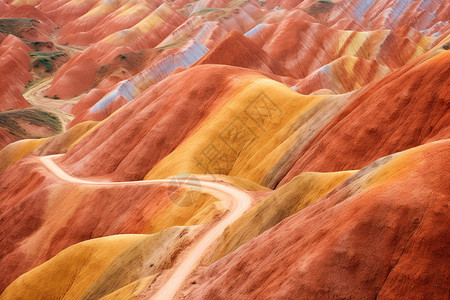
(14, 73)
(58, 144)
(95, 268)
(237, 50)
(30, 123)
(151, 126)
(343, 75)
(381, 233)
(407, 108)
(38, 222)
(299, 193)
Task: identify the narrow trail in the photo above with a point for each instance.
(72, 50)
(35, 96)
(237, 202)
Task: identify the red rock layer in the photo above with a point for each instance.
(5, 138)
(37, 221)
(108, 18)
(342, 76)
(405, 109)
(387, 239)
(90, 99)
(302, 46)
(149, 127)
(237, 50)
(4, 7)
(78, 75)
(63, 11)
(73, 78)
(31, 12)
(14, 73)
(372, 15)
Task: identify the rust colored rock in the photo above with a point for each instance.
(29, 11)
(405, 109)
(149, 128)
(237, 50)
(14, 73)
(233, 149)
(5, 138)
(382, 233)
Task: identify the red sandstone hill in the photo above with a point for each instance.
(147, 129)
(237, 50)
(38, 230)
(5, 138)
(407, 108)
(261, 149)
(382, 233)
(29, 11)
(14, 73)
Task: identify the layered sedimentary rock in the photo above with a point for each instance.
(58, 144)
(14, 73)
(141, 120)
(299, 193)
(413, 99)
(382, 233)
(224, 149)
(78, 74)
(29, 123)
(95, 268)
(70, 207)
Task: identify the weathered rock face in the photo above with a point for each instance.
(205, 89)
(52, 220)
(5, 138)
(79, 73)
(14, 73)
(224, 149)
(380, 233)
(407, 108)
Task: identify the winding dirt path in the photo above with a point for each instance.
(71, 50)
(35, 96)
(237, 202)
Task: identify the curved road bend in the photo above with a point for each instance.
(237, 201)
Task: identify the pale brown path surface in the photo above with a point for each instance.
(236, 201)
